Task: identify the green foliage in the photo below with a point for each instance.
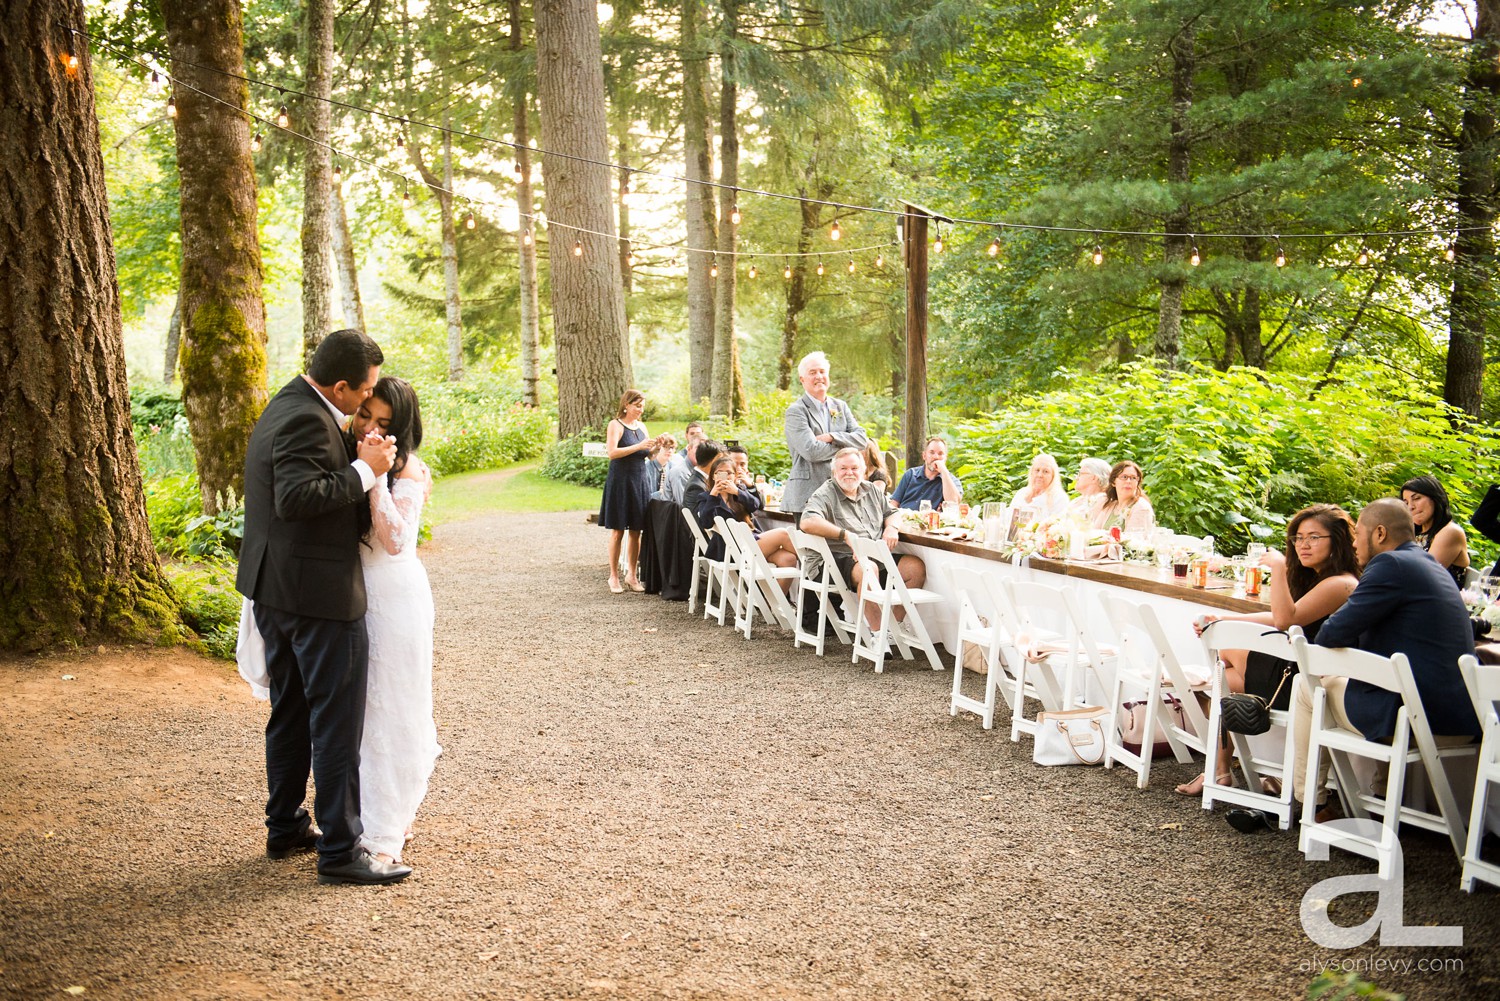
(180, 529)
(1233, 454)
(565, 461)
(761, 430)
(210, 604)
(466, 427)
(1331, 986)
(161, 432)
(153, 407)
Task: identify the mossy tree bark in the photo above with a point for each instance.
(727, 395)
(76, 558)
(531, 330)
(593, 357)
(702, 226)
(317, 180)
(223, 362)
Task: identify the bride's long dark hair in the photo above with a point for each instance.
(406, 420)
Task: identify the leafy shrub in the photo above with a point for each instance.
(761, 430)
(565, 461)
(464, 432)
(165, 449)
(153, 406)
(179, 528)
(210, 604)
(1233, 454)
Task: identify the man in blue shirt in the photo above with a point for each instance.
(930, 481)
(679, 471)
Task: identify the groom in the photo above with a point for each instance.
(299, 563)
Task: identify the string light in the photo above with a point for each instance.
(820, 267)
(752, 272)
(900, 231)
(994, 250)
(880, 260)
(338, 171)
(1449, 253)
(405, 196)
(1363, 258)
(835, 233)
(155, 81)
(786, 272)
(1280, 253)
(469, 220)
(577, 248)
(1196, 258)
(938, 244)
(282, 118)
(401, 138)
(1098, 254)
(734, 211)
(851, 265)
(520, 174)
(630, 258)
(525, 237)
(71, 63)
(171, 105)
(625, 189)
(255, 143)
(713, 267)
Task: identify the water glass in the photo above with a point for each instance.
(1490, 588)
(1255, 551)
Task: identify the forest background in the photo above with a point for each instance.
(1250, 245)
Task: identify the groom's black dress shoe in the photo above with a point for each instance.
(280, 848)
(363, 868)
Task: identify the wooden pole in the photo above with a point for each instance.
(914, 252)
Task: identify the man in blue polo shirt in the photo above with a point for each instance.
(930, 481)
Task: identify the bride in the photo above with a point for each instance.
(400, 745)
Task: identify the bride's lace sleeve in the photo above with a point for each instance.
(396, 513)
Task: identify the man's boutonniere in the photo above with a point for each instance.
(833, 413)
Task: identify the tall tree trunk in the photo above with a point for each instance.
(223, 314)
(531, 335)
(442, 190)
(75, 550)
(701, 225)
(1252, 348)
(1471, 307)
(1179, 173)
(796, 295)
(728, 393)
(348, 269)
(317, 180)
(593, 356)
(622, 157)
(174, 340)
(914, 255)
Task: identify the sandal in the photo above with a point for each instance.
(1270, 786)
(635, 585)
(1195, 787)
(615, 588)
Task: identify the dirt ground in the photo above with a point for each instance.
(634, 803)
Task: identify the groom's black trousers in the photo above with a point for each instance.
(317, 669)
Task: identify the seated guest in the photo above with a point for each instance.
(661, 457)
(875, 470)
(741, 458)
(1043, 495)
(1404, 603)
(1090, 482)
(930, 481)
(727, 498)
(1125, 506)
(1437, 532)
(1310, 582)
(1486, 519)
(850, 504)
(704, 454)
(680, 468)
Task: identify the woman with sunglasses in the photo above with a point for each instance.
(1309, 582)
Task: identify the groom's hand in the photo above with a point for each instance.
(379, 453)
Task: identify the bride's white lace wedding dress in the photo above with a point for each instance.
(400, 742)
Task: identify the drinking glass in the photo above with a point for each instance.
(1255, 551)
(1490, 588)
(994, 527)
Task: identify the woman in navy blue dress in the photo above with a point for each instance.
(627, 488)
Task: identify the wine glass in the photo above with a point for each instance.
(1490, 588)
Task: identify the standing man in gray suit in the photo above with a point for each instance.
(817, 426)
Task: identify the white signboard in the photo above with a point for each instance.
(594, 450)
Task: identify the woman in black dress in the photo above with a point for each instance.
(1309, 582)
(1437, 532)
(627, 488)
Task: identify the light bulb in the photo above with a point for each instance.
(851, 265)
(835, 233)
(734, 215)
(525, 237)
(1356, 81)
(1280, 257)
(1363, 258)
(255, 144)
(1449, 253)
(519, 172)
(786, 272)
(752, 271)
(880, 260)
(630, 259)
(338, 172)
(155, 80)
(282, 118)
(1197, 258)
(1098, 254)
(713, 268)
(937, 245)
(72, 64)
(469, 220)
(172, 107)
(994, 250)
(577, 248)
(405, 198)
(820, 267)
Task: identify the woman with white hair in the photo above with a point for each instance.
(1043, 494)
(1090, 482)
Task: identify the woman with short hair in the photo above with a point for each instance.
(1437, 532)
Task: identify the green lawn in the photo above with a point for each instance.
(517, 488)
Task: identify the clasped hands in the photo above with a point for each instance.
(378, 451)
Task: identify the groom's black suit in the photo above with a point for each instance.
(299, 563)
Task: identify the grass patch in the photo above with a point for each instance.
(512, 489)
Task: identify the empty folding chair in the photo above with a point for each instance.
(1232, 634)
(711, 572)
(1394, 675)
(874, 644)
(1147, 663)
(824, 586)
(977, 632)
(1054, 645)
(760, 583)
(727, 610)
(1483, 682)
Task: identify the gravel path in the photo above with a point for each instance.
(638, 804)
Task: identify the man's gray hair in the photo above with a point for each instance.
(808, 359)
(849, 451)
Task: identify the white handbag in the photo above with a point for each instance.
(1071, 737)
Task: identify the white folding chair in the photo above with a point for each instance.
(824, 586)
(1483, 682)
(759, 583)
(727, 610)
(1393, 674)
(978, 592)
(1233, 634)
(711, 572)
(1053, 645)
(1147, 663)
(874, 644)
